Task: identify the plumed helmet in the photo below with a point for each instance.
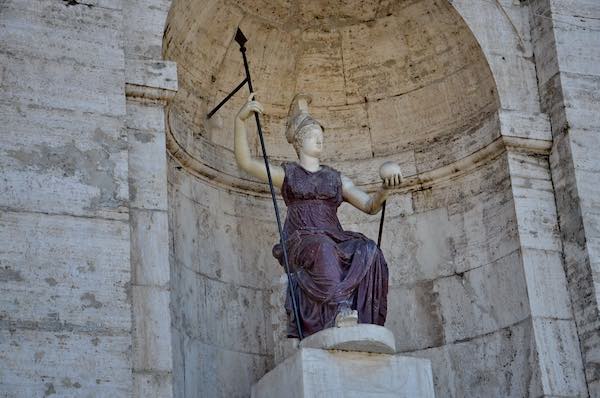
(298, 116)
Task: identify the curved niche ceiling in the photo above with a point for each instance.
(403, 80)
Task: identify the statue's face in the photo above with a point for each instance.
(312, 142)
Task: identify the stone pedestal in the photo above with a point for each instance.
(318, 373)
(361, 338)
(355, 361)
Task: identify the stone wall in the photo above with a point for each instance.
(489, 106)
(65, 311)
(221, 269)
(567, 49)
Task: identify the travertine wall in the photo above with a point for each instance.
(83, 221)
(567, 49)
(65, 315)
(221, 269)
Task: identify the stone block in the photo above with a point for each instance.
(145, 28)
(409, 244)
(320, 68)
(577, 39)
(152, 329)
(188, 305)
(146, 156)
(201, 45)
(581, 100)
(59, 64)
(152, 385)
(151, 73)
(64, 360)
(48, 165)
(497, 364)
(212, 231)
(484, 299)
(64, 270)
(346, 134)
(414, 316)
(321, 373)
(215, 371)
(516, 82)
(534, 202)
(561, 367)
(149, 248)
(230, 320)
(525, 125)
(396, 121)
(498, 27)
(546, 284)
(353, 337)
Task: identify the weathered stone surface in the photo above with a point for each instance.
(65, 255)
(149, 248)
(151, 73)
(546, 284)
(321, 373)
(153, 385)
(561, 369)
(505, 365)
(206, 369)
(483, 300)
(64, 270)
(63, 359)
(419, 56)
(355, 338)
(476, 257)
(503, 31)
(565, 40)
(150, 331)
(321, 68)
(222, 228)
(145, 28)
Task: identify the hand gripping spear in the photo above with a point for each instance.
(241, 40)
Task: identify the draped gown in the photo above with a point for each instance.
(331, 268)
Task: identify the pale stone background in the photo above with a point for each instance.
(135, 257)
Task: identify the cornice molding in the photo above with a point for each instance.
(509, 142)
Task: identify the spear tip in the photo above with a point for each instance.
(240, 38)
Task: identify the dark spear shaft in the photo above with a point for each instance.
(381, 224)
(281, 240)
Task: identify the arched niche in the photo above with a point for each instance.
(405, 81)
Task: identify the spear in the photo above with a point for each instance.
(241, 41)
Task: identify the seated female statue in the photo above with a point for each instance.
(339, 276)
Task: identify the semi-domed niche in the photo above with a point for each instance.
(403, 80)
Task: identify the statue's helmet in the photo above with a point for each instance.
(299, 117)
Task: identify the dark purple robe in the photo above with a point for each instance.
(331, 267)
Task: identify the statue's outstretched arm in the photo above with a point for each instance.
(243, 157)
(370, 204)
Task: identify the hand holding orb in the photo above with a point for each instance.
(391, 174)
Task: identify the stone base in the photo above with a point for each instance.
(361, 337)
(321, 373)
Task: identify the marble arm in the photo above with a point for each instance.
(370, 204)
(243, 158)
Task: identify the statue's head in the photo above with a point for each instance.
(303, 131)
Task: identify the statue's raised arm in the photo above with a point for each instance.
(241, 149)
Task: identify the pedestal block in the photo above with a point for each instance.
(319, 373)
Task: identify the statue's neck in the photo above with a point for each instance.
(309, 163)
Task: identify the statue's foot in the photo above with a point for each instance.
(346, 317)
